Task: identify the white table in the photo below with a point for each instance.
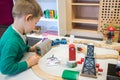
(61, 52)
(29, 74)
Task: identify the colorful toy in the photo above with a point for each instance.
(70, 75)
(49, 13)
(81, 61)
(72, 52)
(71, 63)
(53, 61)
(55, 42)
(100, 69)
(46, 14)
(58, 41)
(63, 41)
(52, 13)
(110, 34)
(97, 65)
(79, 49)
(44, 47)
(89, 67)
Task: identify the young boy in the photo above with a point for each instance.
(26, 14)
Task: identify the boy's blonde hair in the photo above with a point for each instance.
(24, 7)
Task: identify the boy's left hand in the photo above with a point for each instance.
(33, 48)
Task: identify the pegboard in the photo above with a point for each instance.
(109, 13)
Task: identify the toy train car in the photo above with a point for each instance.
(58, 41)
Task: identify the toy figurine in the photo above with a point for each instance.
(72, 52)
(53, 61)
(110, 34)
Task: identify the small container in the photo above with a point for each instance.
(52, 13)
(47, 14)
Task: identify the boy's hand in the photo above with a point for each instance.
(33, 60)
(33, 48)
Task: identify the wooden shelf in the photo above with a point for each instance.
(83, 17)
(85, 33)
(85, 26)
(85, 21)
(48, 19)
(85, 4)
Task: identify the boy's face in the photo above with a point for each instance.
(31, 25)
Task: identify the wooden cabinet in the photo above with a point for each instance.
(83, 18)
(87, 17)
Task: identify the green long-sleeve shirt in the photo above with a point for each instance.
(12, 48)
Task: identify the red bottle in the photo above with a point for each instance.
(72, 52)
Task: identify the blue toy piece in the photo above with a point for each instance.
(58, 41)
(63, 41)
(55, 42)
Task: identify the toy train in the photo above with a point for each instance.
(58, 41)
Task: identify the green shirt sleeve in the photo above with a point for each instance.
(10, 60)
(27, 48)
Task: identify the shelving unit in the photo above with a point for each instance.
(51, 24)
(82, 19)
(88, 17)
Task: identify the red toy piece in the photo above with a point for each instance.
(82, 59)
(72, 52)
(118, 73)
(79, 49)
(79, 62)
(100, 69)
(97, 65)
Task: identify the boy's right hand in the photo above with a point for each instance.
(33, 60)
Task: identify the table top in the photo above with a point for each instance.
(60, 52)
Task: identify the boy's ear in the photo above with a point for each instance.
(28, 17)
